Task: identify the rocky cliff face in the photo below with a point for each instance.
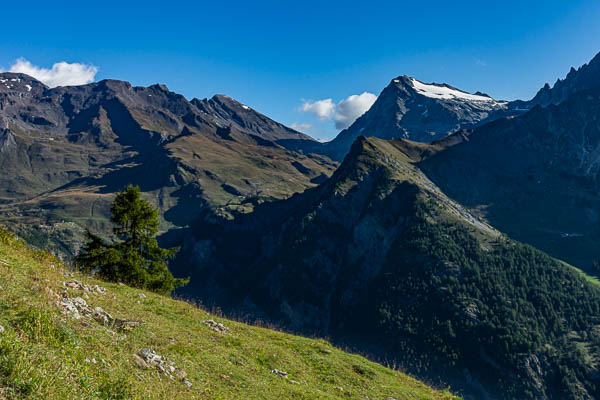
(65, 150)
(7, 139)
(410, 109)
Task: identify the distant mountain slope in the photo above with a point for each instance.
(535, 177)
(379, 258)
(410, 109)
(63, 151)
(229, 111)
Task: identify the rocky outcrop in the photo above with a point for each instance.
(78, 308)
(216, 326)
(7, 140)
(147, 358)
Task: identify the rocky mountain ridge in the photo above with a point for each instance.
(585, 77)
(65, 150)
(410, 109)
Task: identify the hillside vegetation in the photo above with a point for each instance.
(66, 336)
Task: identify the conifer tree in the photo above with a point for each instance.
(135, 258)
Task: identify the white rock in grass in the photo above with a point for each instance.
(216, 326)
(79, 302)
(277, 372)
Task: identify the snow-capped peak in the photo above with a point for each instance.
(445, 92)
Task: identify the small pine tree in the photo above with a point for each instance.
(137, 258)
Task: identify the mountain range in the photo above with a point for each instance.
(424, 112)
(443, 231)
(64, 151)
(411, 251)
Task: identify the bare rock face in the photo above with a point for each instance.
(7, 140)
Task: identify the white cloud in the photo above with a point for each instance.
(349, 109)
(324, 109)
(343, 113)
(61, 73)
(301, 126)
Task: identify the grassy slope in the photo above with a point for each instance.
(43, 353)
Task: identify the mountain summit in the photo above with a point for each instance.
(424, 112)
(410, 109)
(227, 110)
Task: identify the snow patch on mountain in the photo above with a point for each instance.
(445, 92)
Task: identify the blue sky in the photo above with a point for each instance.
(274, 55)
